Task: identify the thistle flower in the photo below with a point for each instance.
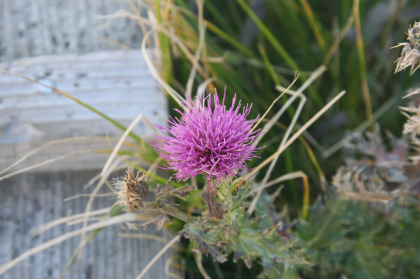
(410, 54)
(215, 141)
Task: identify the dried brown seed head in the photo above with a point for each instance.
(410, 54)
(132, 191)
(413, 35)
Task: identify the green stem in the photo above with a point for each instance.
(229, 39)
(362, 63)
(164, 45)
(267, 33)
(170, 210)
(312, 23)
(305, 205)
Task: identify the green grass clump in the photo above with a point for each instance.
(254, 47)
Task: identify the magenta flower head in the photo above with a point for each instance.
(210, 140)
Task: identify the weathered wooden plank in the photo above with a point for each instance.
(31, 115)
(73, 85)
(32, 28)
(31, 200)
(116, 83)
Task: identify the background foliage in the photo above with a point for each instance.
(254, 46)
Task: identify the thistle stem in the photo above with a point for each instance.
(209, 196)
(172, 211)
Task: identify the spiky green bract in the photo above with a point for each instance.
(263, 238)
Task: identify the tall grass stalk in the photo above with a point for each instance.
(362, 63)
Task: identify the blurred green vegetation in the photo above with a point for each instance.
(362, 240)
(252, 46)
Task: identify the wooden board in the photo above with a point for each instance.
(116, 83)
(41, 27)
(42, 39)
(32, 200)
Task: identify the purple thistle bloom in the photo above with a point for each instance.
(215, 142)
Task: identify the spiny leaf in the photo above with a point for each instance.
(204, 243)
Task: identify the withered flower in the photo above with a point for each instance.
(410, 54)
(132, 190)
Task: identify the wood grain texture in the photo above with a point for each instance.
(32, 28)
(61, 43)
(116, 83)
(31, 200)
